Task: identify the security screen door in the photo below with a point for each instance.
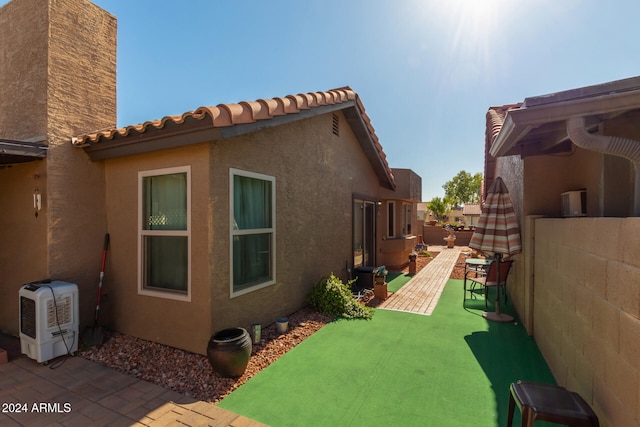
(364, 229)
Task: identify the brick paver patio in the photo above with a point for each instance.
(82, 393)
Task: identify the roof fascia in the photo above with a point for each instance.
(144, 143)
(519, 122)
(361, 130)
(203, 130)
(188, 134)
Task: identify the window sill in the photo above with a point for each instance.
(167, 295)
(406, 237)
(251, 289)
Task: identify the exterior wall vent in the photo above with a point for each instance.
(336, 125)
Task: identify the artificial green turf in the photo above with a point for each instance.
(397, 280)
(449, 369)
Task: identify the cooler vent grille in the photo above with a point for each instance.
(63, 314)
(28, 317)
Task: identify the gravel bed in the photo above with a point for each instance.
(458, 270)
(190, 374)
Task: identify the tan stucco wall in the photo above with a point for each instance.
(175, 323)
(546, 177)
(511, 170)
(23, 248)
(79, 98)
(23, 69)
(316, 175)
(408, 186)
(535, 184)
(23, 115)
(587, 310)
(53, 86)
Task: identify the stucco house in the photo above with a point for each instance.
(471, 213)
(576, 284)
(222, 216)
(400, 224)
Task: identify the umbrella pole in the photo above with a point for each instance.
(497, 316)
(499, 261)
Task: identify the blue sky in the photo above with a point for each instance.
(426, 70)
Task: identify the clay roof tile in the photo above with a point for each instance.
(224, 115)
(258, 110)
(271, 106)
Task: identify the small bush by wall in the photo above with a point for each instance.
(332, 297)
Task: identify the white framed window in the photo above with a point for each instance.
(391, 219)
(252, 231)
(164, 233)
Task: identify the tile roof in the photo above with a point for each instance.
(225, 116)
(494, 121)
(472, 209)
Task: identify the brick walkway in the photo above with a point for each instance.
(421, 294)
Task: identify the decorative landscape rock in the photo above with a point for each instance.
(191, 374)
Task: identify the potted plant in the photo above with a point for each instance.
(380, 283)
(451, 235)
(380, 275)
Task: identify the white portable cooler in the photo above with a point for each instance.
(48, 320)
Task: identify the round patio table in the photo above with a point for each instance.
(474, 265)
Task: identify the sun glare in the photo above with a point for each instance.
(475, 22)
(470, 33)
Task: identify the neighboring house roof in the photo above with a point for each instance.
(539, 124)
(229, 120)
(472, 209)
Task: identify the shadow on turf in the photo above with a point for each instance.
(506, 353)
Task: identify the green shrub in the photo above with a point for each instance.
(332, 297)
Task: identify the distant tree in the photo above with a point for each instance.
(438, 206)
(463, 188)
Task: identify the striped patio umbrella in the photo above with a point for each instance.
(497, 233)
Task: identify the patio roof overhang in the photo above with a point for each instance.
(12, 151)
(539, 125)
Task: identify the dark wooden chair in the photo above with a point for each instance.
(551, 403)
(487, 279)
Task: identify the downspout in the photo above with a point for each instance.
(614, 145)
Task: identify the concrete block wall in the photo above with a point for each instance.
(586, 314)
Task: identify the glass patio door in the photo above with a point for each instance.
(364, 233)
